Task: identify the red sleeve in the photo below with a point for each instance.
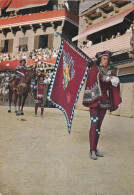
(115, 97)
(92, 76)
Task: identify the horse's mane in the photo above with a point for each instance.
(28, 77)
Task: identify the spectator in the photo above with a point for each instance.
(118, 34)
(54, 7)
(89, 43)
(113, 36)
(66, 4)
(129, 30)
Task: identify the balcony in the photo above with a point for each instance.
(117, 45)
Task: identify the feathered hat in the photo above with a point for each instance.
(103, 53)
(42, 74)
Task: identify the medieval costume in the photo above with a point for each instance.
(39, 90)
(20, 71)
(102, 93)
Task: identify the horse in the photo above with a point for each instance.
(22, 90)
(23, 81)
(13, 92)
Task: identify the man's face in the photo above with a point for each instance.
(104, 61)
(41, 79)
(23, 62)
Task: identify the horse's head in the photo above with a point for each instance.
(31, 74)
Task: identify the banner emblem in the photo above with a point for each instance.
(68, 71)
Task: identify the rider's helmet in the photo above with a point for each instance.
(22, 59)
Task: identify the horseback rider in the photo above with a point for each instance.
(20, 71)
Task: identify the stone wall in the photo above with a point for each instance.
(4, 100)
(30, 34)
(126, 108)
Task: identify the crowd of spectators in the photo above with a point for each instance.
(118, 34)
(8, 57)
(48, 75)
(5, 57)
(88, 43)
(36, 54)
(6, 76)
(4, 79)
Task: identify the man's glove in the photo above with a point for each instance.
(115, 81)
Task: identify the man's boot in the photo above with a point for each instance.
(93, 155)
(98, 153)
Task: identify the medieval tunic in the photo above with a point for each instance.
(39, 96)
(99, 92)
(21, 70)
(100, 95)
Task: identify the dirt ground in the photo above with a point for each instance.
(39, 157)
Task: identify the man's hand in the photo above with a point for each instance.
(115, 81)
(106, 78)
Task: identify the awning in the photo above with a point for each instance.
(85, 5)
(17, 4)
(116, 19)
(4, 3)
(11, 65)
(51, 61)
(37, 18)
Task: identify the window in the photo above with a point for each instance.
(23, 44)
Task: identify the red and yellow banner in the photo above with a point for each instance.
(69, 76)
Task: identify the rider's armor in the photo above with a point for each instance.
(20, 71)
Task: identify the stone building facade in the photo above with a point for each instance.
(108, 25)
(32, 27)
(25, 27)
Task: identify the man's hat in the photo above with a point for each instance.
(41, 75)
(22, 60)
(103, 53)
